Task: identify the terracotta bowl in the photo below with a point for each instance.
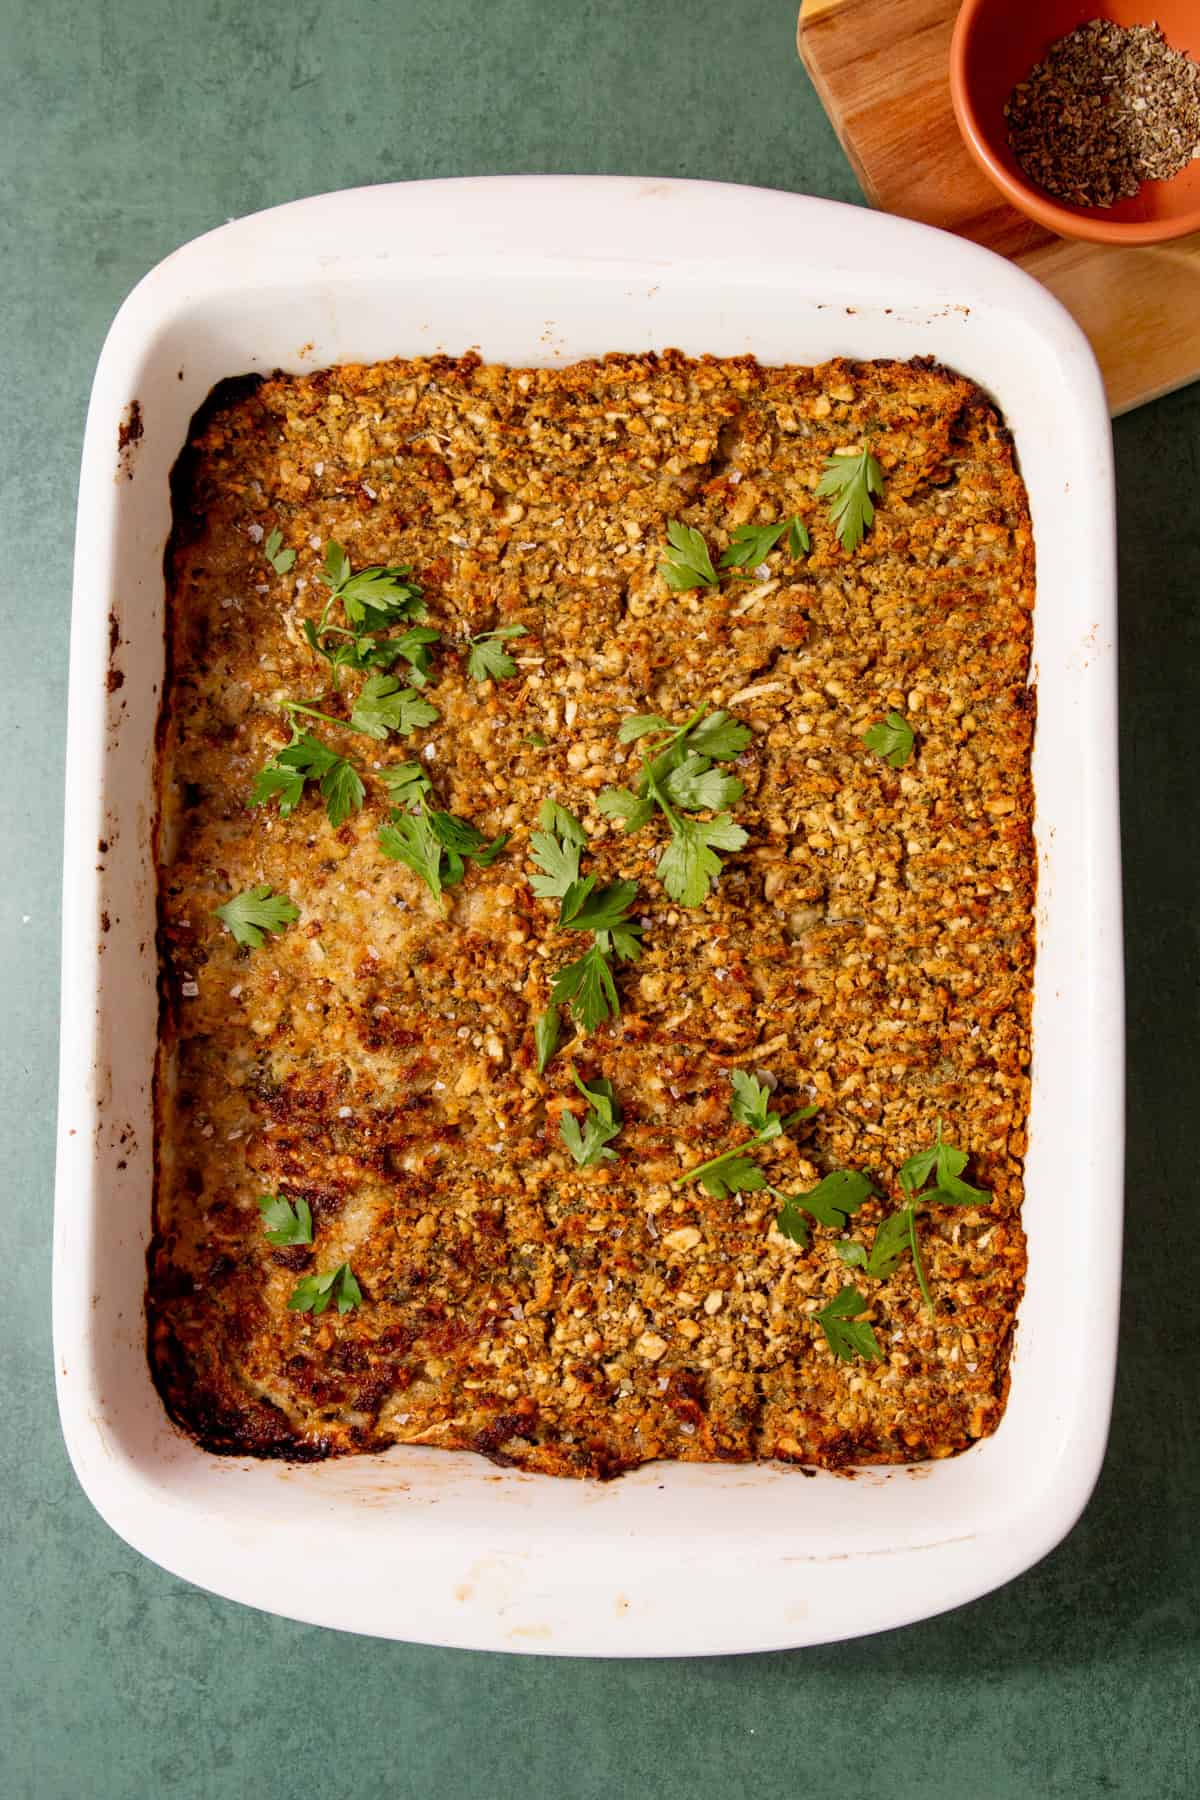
(996, 43)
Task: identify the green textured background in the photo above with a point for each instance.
(128, 127)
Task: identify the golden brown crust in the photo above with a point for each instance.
(872, 946)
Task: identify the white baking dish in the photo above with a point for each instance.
(445, 1548)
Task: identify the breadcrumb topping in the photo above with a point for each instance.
(871, 948)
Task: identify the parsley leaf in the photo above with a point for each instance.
(848, 482)
(733, 1172)
(949, 1163)
(410, 840)
(697, 787)
(306, 759)
(688, 868)
(558, 862)
(718, 736)
(587, 986)
(286, 1221)
(897, 1234)
(677, 776)
(461, 838)
(892, 1239)
(686, 564)
(893, 740)
(281, 560)
(377, 596)
(556, 850)
(620, 803)
(275, 781)
(750, 1105)
(314, 1293)
(832, 1202)
(601, 1124)
(600, 909)
(359, 650)
(435, 845)
(750, 545)
(545, 1037)
(562, 822)
(256, 910)
(845, 1338)
(640, 726)
(342, 791)
(383, 705)
(406, 782)
(487, 659)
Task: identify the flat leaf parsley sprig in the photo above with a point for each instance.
(679, 778)
(897, 1235)
(487, 659)
(435, 845)
(734, 1171)
(848, 480)
(372, 601)
(585, 985)
(286, 1221)
(687, 562)
(846, 1337)
(313, 1293)
(258, 909)
(589, 1143)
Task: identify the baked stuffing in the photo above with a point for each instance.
(870, 949)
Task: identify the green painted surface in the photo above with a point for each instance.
(129, 127)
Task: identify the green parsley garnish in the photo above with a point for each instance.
(285, 1221)
(893, 740)
(281, 560)
(686, 564)
(256, 910)
(435, 845)
(586, 985)
(307, 759)
(383, 705)
(545, 1037)
(846, 1339)
(487, 659)
(678, 777)
(601, 1124)
(377, 596)
(898, 1232)
(374, 601)
(750, 545)
(314, 1293)
(832, 1202)
(555, 848)
(734, 1172)
(847, 482)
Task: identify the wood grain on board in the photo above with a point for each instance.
(880, 68)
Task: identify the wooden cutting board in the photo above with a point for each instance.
(880, 68)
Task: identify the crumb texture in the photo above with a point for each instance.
(871, 948)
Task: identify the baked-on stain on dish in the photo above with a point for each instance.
(377, 1060)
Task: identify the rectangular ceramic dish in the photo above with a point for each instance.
(444, 1548)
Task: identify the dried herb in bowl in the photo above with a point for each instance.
(1108, 107)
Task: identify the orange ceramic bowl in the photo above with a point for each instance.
(996, 43)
